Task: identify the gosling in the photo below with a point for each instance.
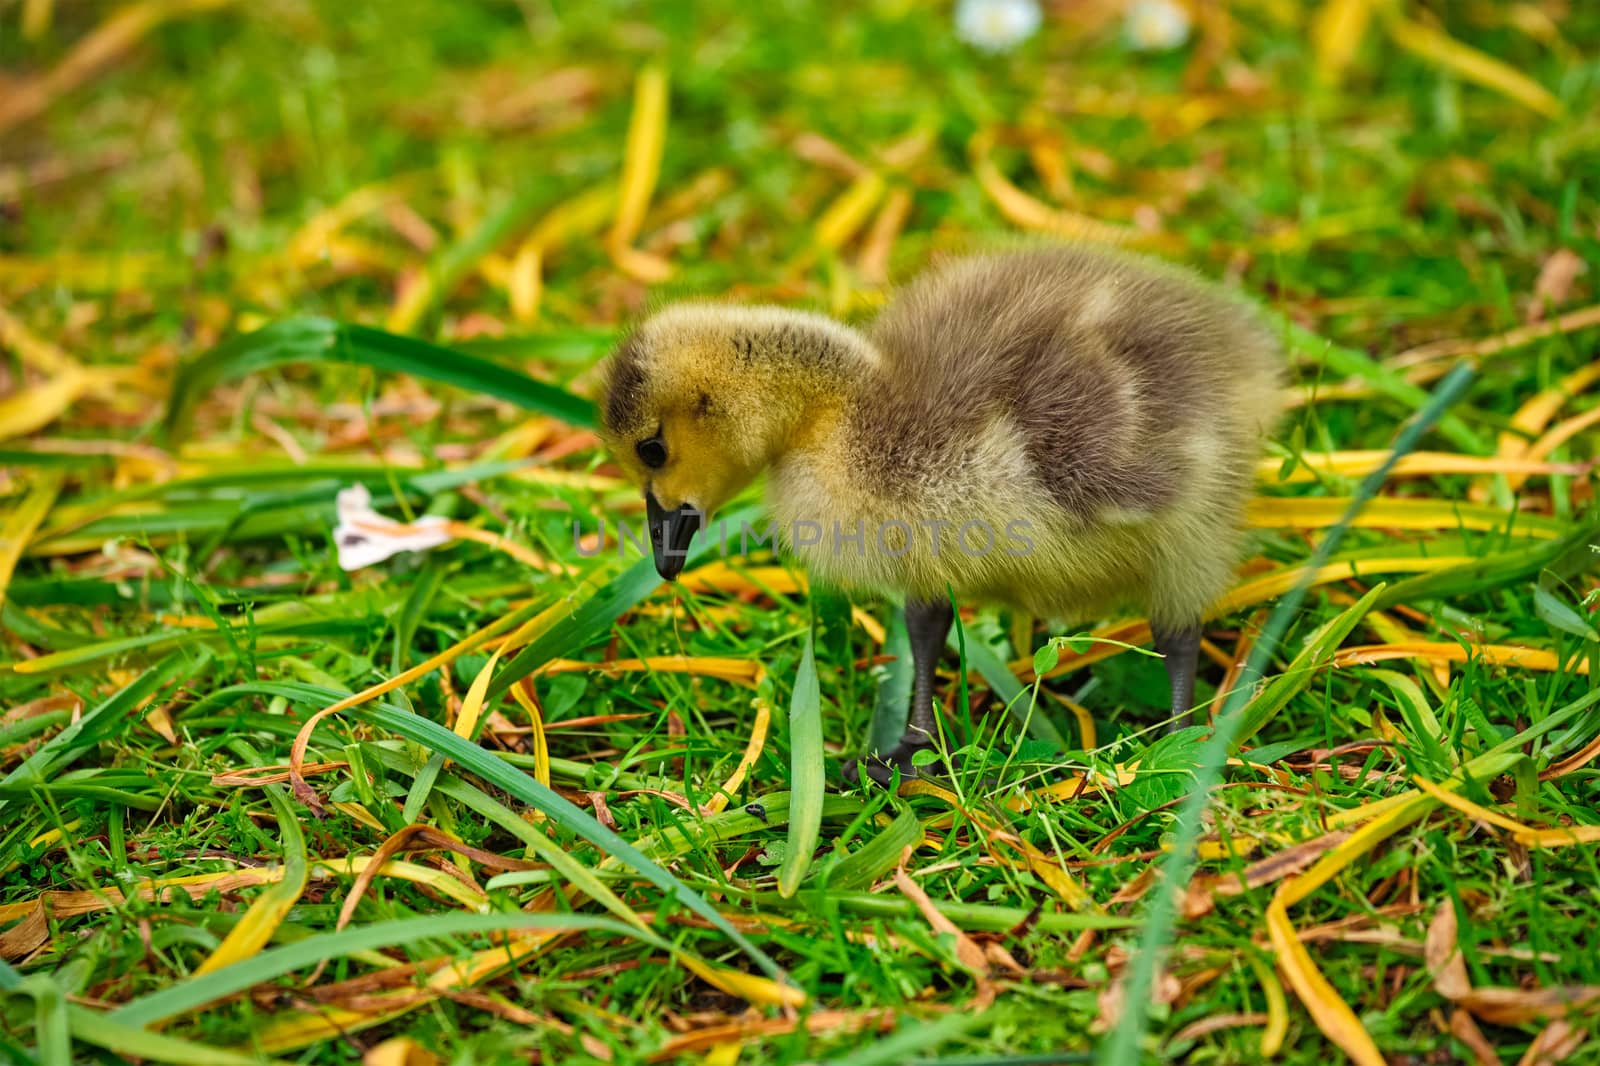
(1065, 430)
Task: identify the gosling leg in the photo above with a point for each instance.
(928, 626)
(1181, 649)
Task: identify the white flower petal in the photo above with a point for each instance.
(1156, 25)
(364, 537)
(997, 25)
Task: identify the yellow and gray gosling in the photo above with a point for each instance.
(1066, 430)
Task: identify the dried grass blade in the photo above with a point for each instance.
(104, 45)
(641, 167)
(256, 928)
(19, 526)
(1469, 63)
(1336, 34)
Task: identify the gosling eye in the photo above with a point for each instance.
(652, 452)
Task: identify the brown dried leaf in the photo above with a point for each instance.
(27, 935)
(1554, 1045)
(1443, 955)
(1216, 1023)
(1557, 277)
(1464, 1029)
(602, 813)
(1516, 1006)
(969, 954)
(1286, 863)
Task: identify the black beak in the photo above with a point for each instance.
(670, 534)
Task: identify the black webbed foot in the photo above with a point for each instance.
(927, 626)
(880, 766)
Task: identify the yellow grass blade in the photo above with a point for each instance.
(723, 577)
(399, 1051)
(1472, 65)
(525, 556)
(294, 1030)
(1277, 1027)
(1336, 33)
(525, 282)
(1559, 837)
(748, 986)
(752, 987)
(1519, 440)
(71, 904)
(1255, 590)
(1493, 654)
(739, 671)
(472, 705)
(1460, 803)
(1045, 868)
(31, 409)
(416, 873)
(541, 743)
(1032, 214)
(297, 753)
(269, 910)
(641, 167)
(109, 41)
(1532, 417)
(752, 752)
(1562, 432)
(878, 246)
(848, 212)
(841, 219)
(36, 18)
(1272, 512)
(1355, 464)
(580, 216)
(310, 243)
(18, 527)
(86, 270)
(1332, 1015)
(34, 351)
(1452, 349)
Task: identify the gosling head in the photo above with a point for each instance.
(701, 398)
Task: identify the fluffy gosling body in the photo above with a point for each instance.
(1066, 430)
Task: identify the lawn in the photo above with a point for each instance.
(510, 798)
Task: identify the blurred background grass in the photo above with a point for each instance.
(1385, 175)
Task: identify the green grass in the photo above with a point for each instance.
(177, 613)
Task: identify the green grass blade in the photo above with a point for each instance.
(563, 812)
(323, 340)
(475, 760)
(1124, 1044)
(912, 1036)
(1387, 382)
(879, 855)
(806, 780)
(256, 928)
(594, 618)
(1571, 553)
(894, 690)
(1300, 672)
(50, 1020)
(98, 724)
(134, 1042)
(191, 995)
(1013, 693)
